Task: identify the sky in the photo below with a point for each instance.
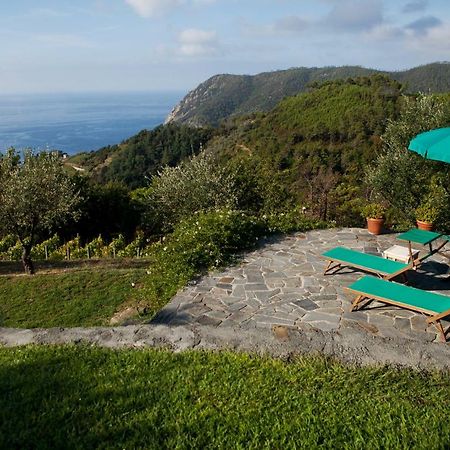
(173, 45)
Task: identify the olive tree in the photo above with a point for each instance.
(197, 184)
(36, 194)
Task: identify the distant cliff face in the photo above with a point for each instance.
(223, 96)
(199, 107)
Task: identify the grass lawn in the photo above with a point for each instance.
(78, 293)
(80, 397)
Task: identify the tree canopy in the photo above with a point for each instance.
(136, 160)
(36, 194)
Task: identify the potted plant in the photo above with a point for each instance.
(375, 215)
(426, 215)
(432, 206)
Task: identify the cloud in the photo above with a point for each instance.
(438, 39)
(344, 16)
(428, 39)
(415, 6)
(150, 8)
(424, 24)
(194, 42)
(435, 43)
(385, 32)
(290, 24)
(355, 15)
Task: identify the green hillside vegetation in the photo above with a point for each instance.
(138, 158)
(311, 149)
(223, 96)
(314, 142)
(428, 79)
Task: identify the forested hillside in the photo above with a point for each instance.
(320, 136)
(312, 142)
(138, 158)
(428, 79)
(223, 96)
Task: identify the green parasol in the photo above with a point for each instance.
(434, 144)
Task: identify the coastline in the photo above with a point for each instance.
(77, 122)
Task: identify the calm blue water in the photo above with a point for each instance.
(79, 122)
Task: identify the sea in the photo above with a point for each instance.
(76, 122)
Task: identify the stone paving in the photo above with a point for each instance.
(281, 286)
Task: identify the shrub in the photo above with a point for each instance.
(116, 245)
(6, 243)
(427, 212)
(291, 221)
(209, 240)
(374, 211)
(203, 241)
(52, 244)
(96, 248)
(347, 203)
(434, 203)
(199, 184)
(72, 248)
(14, 253)
(134, 248)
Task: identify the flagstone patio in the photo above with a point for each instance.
(281, 285)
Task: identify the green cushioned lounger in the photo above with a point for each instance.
(436, 306)
(370, 263)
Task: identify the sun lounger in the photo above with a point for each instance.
(436, 306)
(344, 257)
(425, 238)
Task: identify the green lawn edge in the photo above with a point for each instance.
(84, 397)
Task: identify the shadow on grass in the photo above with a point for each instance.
(16, 268)
(51, 401)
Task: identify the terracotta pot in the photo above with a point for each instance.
(375, 226)
(424, 225)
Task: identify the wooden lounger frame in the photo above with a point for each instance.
(433, 319)
(340, 264)
(330, 270)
